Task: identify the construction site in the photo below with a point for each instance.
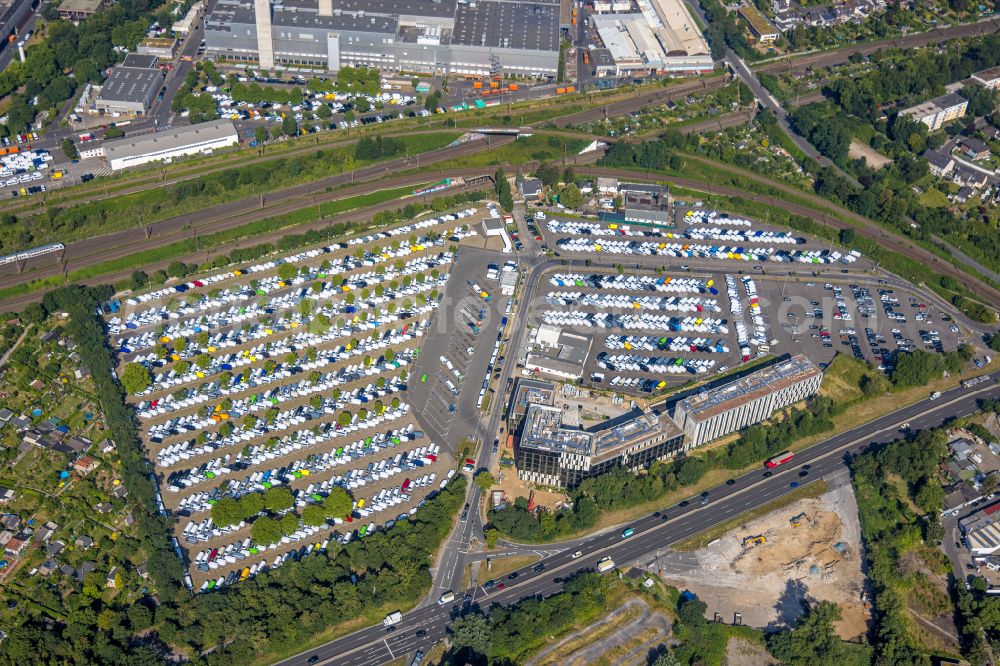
(761, 573)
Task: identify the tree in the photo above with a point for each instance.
(666, 659)
(287, 271)
(471, 632)
(135, 378)
(571, 197)
(69, 148)
(691, 611)
(289, 127)
(337, 504)
(485, 481)
(503, 191)
(266, 531)
(813, 641)
(994, 342)
(492, 536)
(548, 174)
(113, 133)
(278, 499)
(260, 135)
(314, 515)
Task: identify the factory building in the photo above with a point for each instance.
(190, 140)
(745, 401)
(552, 454)
(427, 36)
(131, 88)
(661, 36)
(982, 531)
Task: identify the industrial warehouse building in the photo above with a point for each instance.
(131, 88)
(661, 36)
(427, 36)
(745, 401)
(552, 454)
(192, 140)
(982, 531)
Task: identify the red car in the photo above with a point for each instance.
(501, 586)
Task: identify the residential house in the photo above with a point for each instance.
(83, 542)
(54, 548)
(45, 531)
(112, 575)
(964, 194)
(7, 495)
(6, 415)
(85, 465)
(530, 188)
(16, 546)
(972, 177)
(21, 422)
(975, 149)
(11, 521)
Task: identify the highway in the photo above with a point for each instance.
(376, 646)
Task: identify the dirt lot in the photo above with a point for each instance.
(874, 159)
(767, 582)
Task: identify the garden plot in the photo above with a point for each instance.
(657, 329)
(276, 410)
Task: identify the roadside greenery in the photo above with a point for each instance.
(893, 533)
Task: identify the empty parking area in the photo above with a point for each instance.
(269, 388)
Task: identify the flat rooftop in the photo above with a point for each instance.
(130, 84)
(758, 22)
(79, 6)
(544, 430)
(529, 26)
(935, 105)
(751, 387)
(140, 61)
(176, 138)
(990, 74)
(530, 392)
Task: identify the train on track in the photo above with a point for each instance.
(33, 252)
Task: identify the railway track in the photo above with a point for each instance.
(231, 215)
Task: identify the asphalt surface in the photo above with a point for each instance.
(375, 645)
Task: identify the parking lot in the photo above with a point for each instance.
(461, 351)
(725, 290)
(291, 373)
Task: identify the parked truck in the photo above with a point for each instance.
(392, 618)
(607, 564)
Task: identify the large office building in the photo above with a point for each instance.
(748, 400)
(426, 36)
(936, 112)
(550, 453)
(190, 140)
(661, 36)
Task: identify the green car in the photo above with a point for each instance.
(423, 377)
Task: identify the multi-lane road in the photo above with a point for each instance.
(375, 645)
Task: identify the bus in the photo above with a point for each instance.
(780, 459)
